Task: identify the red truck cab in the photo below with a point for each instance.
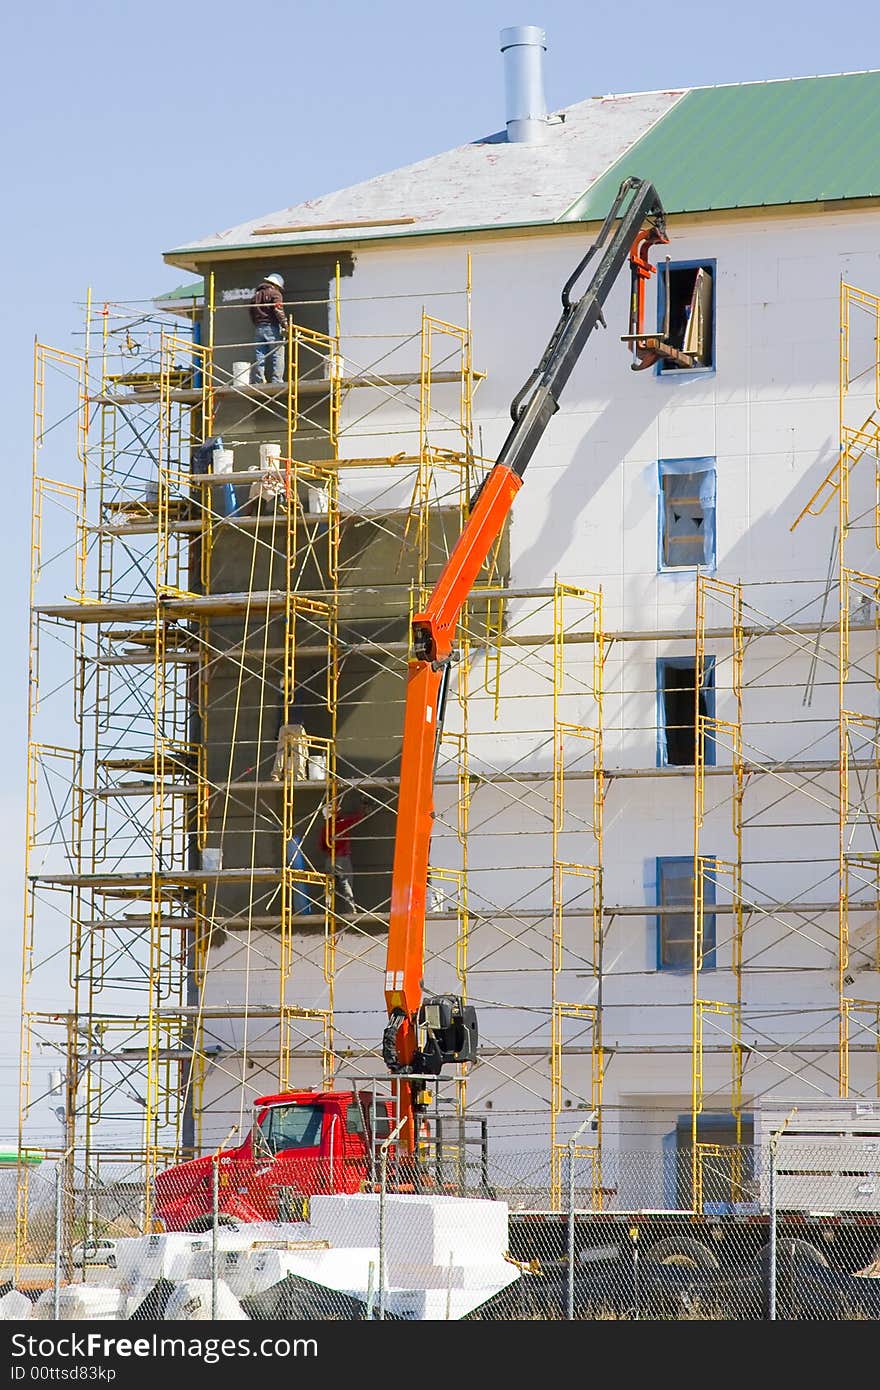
(301, 1142)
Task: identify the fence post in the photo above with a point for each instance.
(772, 1200)
(572, 1148)
(569, 1302)
(371, 1291)
(383, 1184)
(383, 1179)
(637, 1293)
(484, 1155)
(771, 1250)
(59, 1236)
(215, 1212)
(215, 1215)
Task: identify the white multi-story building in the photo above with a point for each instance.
(646, 487)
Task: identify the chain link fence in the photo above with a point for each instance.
(714, 1234)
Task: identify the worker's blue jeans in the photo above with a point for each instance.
(269, 345)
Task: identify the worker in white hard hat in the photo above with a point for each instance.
(270, 329)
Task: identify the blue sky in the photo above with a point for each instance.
(130, 129)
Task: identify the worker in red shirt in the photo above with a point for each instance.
(335, 843)
(270, 329)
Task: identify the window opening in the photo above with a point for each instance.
(686, 301)
(687, 513)
(677, 709)
(675, 930)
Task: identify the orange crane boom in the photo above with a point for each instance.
(424, 1033)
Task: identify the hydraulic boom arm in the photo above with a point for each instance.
(423, 1034)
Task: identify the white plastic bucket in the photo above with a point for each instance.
(318, 501)
(317, 767)
(270, 455)
(212, 859)
(334, 366)
(223, 461)
(241, 373)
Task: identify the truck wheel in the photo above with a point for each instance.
(872, 1268)
(795, 1249)
(683, 1250)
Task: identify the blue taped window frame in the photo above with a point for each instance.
(688, 908)
(676, 467)
(669, 373)
(679, 663)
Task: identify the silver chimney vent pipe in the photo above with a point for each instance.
(523, 48)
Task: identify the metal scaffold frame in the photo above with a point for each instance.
(558, 785)
(709, 870)
(859, 728)
(165, 861)
(576, 884)
(140, 805)
(854, 481)
(766, 795)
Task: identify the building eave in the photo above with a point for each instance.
(189, 258)
(195, 258)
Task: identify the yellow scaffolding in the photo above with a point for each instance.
(855, 481)
(576, 746)
(157, 628)
(710, 871)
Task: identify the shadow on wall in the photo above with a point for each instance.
(593, 463)
(768, 548)
(765, 549)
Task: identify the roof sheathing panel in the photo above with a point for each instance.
(487, 184)
(803, 140)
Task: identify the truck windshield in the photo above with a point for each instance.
(292, 1127)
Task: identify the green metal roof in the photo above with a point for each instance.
(762, 144)
(194, 290)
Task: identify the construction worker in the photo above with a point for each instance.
(335, 843)
(270, 329)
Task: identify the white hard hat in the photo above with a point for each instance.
(275, 279)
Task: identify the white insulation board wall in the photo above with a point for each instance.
(588, 513)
